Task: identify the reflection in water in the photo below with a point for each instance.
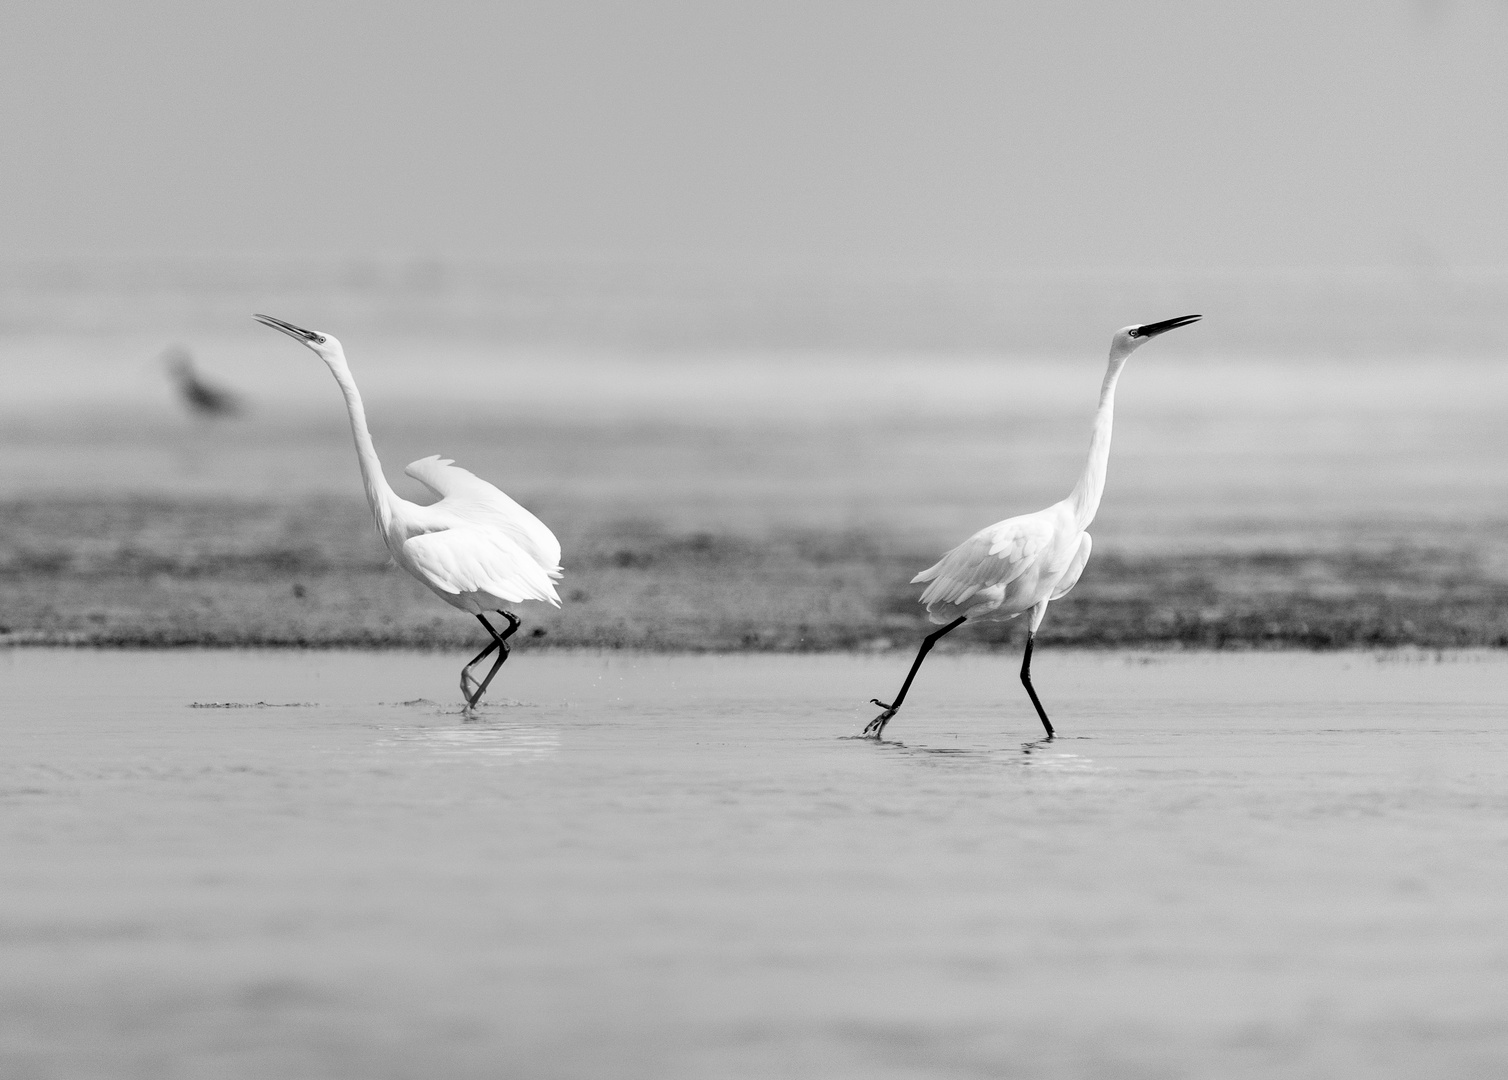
(478, 742)
(1060, 761)
(1042, 754)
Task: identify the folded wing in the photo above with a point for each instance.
(1075, 569)
(993, 556)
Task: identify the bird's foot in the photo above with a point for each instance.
(471, 690)
(876, 727)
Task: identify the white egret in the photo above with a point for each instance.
(1024, 563)
(475, 548)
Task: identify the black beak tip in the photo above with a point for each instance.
(1151, 330)
(286, 327)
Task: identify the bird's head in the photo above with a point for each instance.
(324, 346)
(1130, 338)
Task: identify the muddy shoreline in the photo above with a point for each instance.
(186, 573)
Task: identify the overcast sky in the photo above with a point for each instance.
(1290, 133)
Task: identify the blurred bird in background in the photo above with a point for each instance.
(201, 398)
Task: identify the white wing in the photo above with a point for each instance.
(993, 556)
(476, 561)
(471, 498)
(1071, 576)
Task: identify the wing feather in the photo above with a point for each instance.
(473, 499)
(995, 555)
(475, 561)
(1075, 569)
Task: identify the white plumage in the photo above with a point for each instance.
(470, 498)
(475, 548)
(1024, 563)
(1005, 559)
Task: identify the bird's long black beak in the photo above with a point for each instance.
(1151, 330)
(287, 328)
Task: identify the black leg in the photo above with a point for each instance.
(502, 649)
(877, 725)
(500, 643)
(479, 657)
(1026, 681)
(467, 682)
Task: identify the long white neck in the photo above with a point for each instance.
(380, 496)
(1091, 485)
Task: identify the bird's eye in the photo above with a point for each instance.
(319, 338)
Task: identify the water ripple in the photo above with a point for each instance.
(515, 741)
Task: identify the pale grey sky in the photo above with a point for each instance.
(930, 134)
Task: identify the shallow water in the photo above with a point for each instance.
(296, 864)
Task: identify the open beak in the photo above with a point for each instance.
(287, 328)
(1151, 330)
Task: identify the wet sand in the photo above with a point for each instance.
(1230, 865)
(160, 574)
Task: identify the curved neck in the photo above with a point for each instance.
(379, 495)
(1091, 485)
